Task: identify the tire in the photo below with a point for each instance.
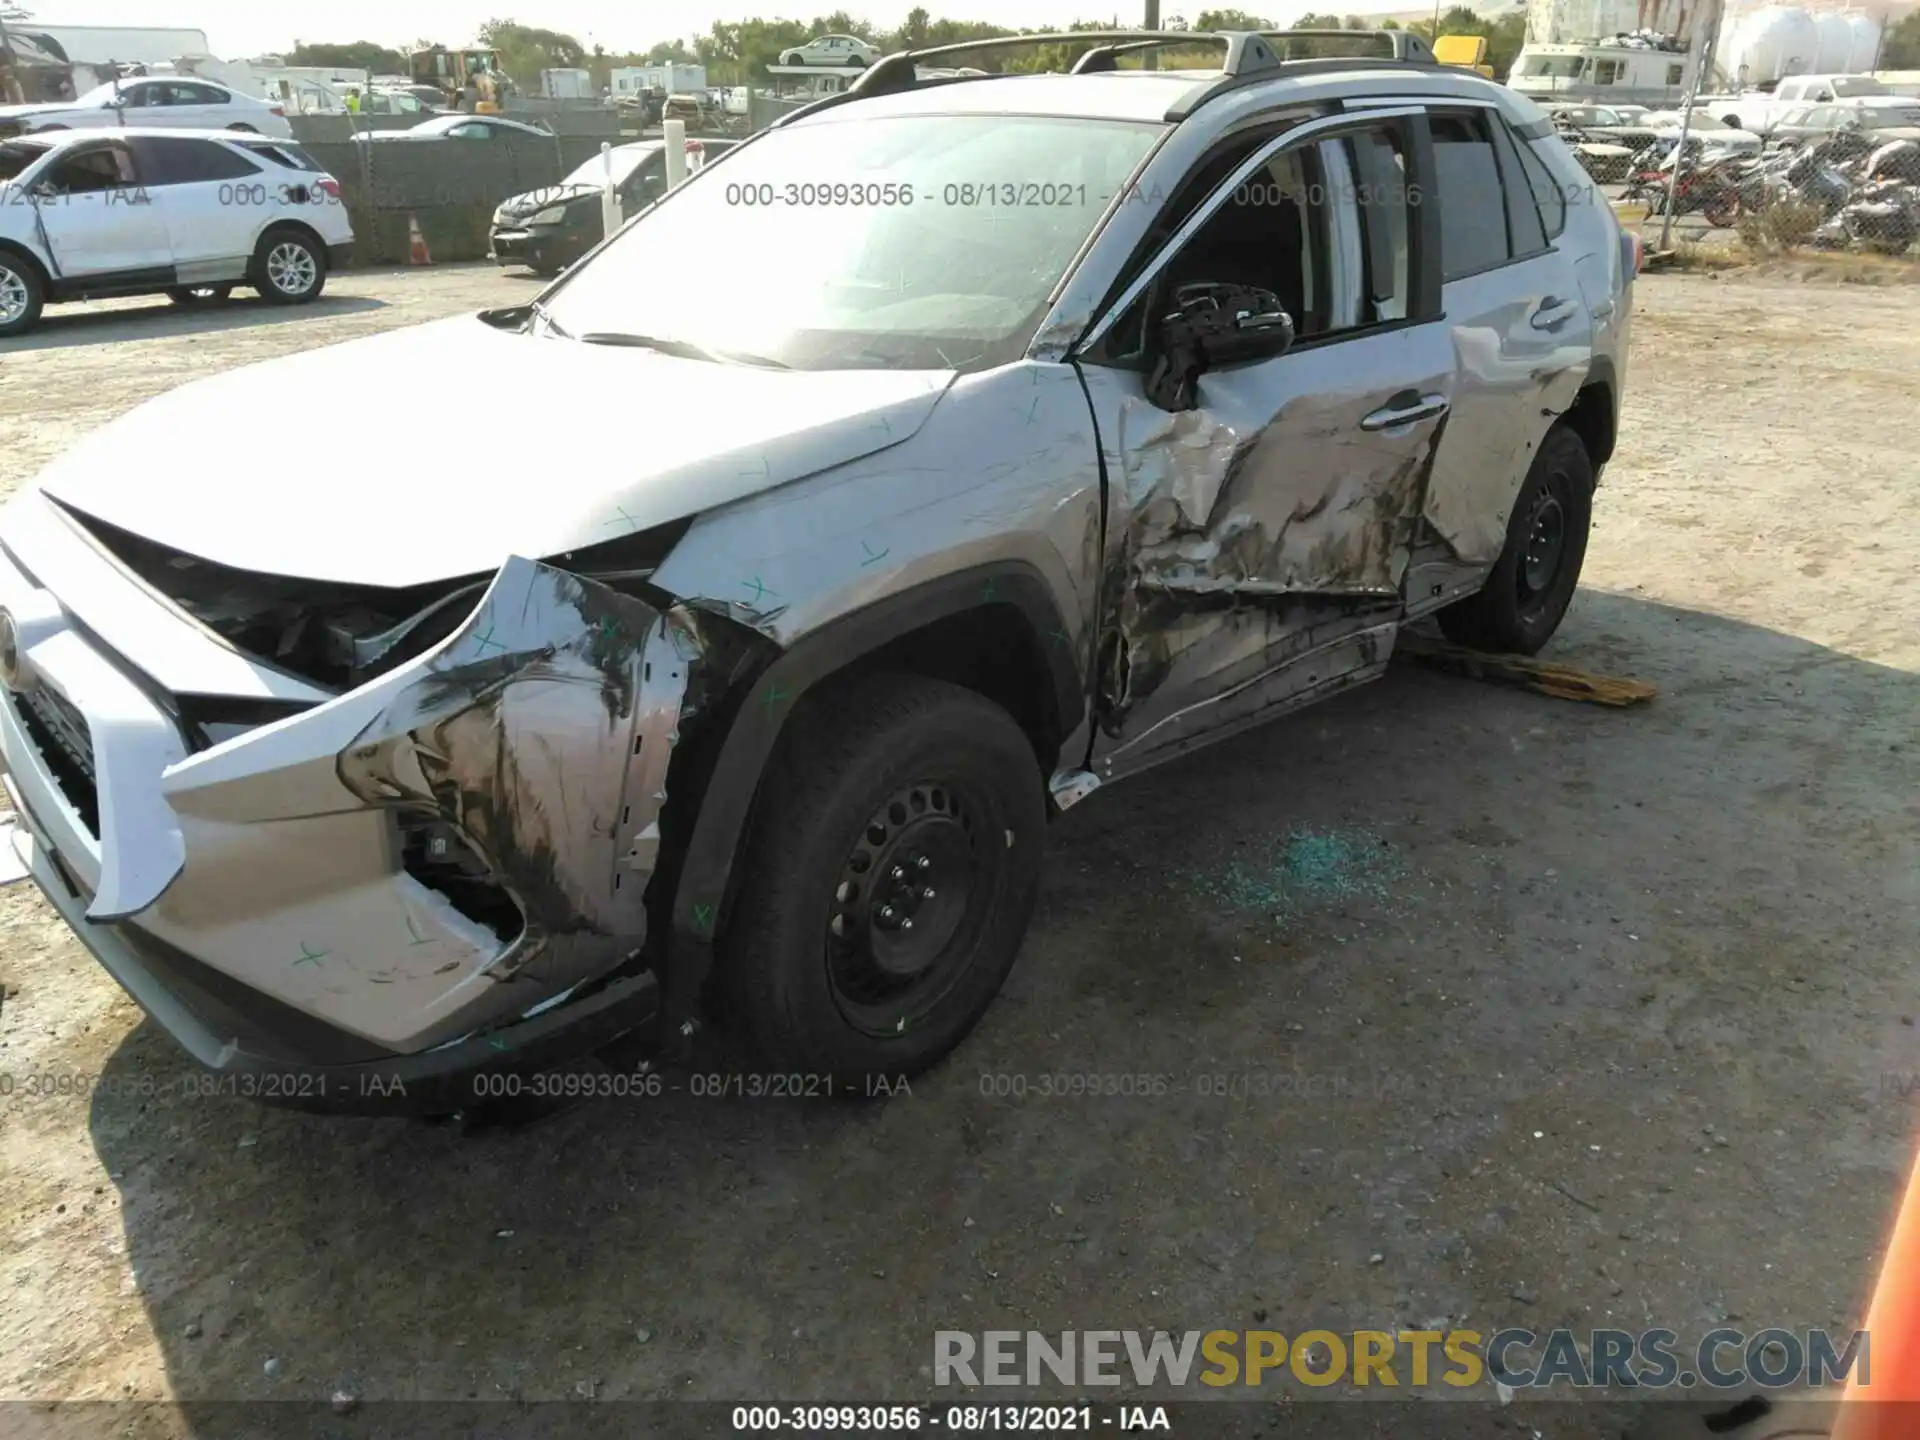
(288, 255)
(873, 777)
(1521, 605)
(1721, 211)
(200, 294)
(22, 295)
(856, 63)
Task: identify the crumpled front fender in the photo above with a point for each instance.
(537, 737)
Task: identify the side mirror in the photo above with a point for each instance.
(1211, 326)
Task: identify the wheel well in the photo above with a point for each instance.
(21, 251)
(991, 649)
(306, 232)
(1591, 418)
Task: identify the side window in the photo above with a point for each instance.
(93, 172)
(471, 132)
(1605, 72)
(203, 95)
(139, 97)
(1547, 193)
(1676, 74)
(1385, 204)
(1523, 213)
(1271, 233)
(1473, 210)
(166, 160)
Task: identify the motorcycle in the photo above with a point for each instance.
(1706, 187)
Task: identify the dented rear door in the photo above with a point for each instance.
(1256, 543)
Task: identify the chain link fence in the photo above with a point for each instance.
(1851, 192)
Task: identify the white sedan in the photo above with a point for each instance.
(843, 52)
(461, 127)
(172, 102)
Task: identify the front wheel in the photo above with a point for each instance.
(288, 268)
(890, 878)
(1721, 211)
(1532, 583)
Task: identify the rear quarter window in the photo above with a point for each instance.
(290, 157)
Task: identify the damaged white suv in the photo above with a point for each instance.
(1064, 424)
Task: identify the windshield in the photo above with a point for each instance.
(1856, 85)
(17, 155)
(1563, 67)
(916, 242)
(625, 162)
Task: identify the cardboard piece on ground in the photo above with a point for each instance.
(1560, 681)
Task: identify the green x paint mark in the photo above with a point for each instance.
(759, 590)
(990, 593)
(310, 956)
(1033, 410)
(609, 628)
(487, 639)
(631, 523)
(703, 919)
(496, 1043)
(1060, 637)
(872, 554)
(884, 426)
(418, 938)
(774, 696)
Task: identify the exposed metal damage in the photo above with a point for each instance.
(1234, 545)
(538, 739)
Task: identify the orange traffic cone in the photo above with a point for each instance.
(1887, 1405)
(417, 253)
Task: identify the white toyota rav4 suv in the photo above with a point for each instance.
(185, 213)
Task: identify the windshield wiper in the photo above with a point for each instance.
(685, 349)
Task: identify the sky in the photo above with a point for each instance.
(237, 29)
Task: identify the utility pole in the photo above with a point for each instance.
(1709, 43)
(1150, 59)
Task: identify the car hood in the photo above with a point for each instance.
(534, 201)
(437, 451)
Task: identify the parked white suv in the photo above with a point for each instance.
(186, 213)
(168, 101)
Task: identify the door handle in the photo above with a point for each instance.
(1409, 407)
(1553, 311)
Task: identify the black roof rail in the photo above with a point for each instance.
(1401, 44)
(1250, 57)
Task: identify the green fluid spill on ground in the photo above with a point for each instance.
(1304, 870)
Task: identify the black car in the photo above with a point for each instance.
(548, 229)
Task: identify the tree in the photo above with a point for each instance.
(1901, 49)
(526, 50)
(359, 55)
(1231, 20)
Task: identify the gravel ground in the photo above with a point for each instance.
(1555, 1015)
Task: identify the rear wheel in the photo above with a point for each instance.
(890, 878)
(1532, 583)
(288, 268)
(21, 295)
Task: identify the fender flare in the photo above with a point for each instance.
(702, 885)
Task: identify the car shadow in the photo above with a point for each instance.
(62, 328)
(1483, 912)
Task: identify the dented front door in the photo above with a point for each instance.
(1256, 543)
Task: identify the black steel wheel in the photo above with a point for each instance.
(890, 876)
(1530, 586)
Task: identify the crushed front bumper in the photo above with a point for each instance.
(258, 898)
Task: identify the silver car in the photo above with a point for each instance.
(1068, 423)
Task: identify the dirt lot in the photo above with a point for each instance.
(1578, 1016)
